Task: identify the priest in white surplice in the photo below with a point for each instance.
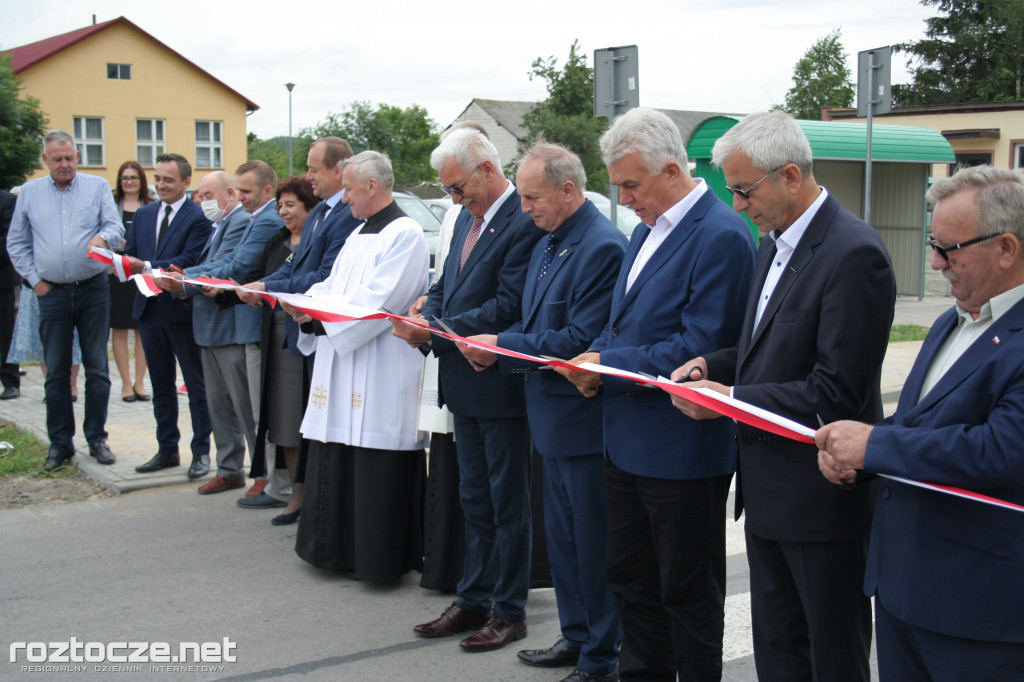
(364, 478)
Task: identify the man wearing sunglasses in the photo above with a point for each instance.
(945, 571)
(480, 292)
(813, 339)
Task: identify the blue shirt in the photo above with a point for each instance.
(51, 228)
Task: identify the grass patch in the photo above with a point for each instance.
(27, 457)
(907, 332)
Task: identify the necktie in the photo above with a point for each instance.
(545, 260)
(474, 234)
(163, 227)
(318, 217)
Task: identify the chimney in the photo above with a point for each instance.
(94, 20)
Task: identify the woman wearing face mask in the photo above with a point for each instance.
(283, 399)
(131, 194)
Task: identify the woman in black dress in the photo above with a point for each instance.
(131, 194)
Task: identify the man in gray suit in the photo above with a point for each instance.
(228, 338)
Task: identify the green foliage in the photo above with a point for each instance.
(567, 115)
(275, 152)
(22, 125)
(972, 52)
(28, 455)
(407, 136)
(820, 79)
(907, 332)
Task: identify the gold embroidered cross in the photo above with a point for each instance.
(319, 396)
(357, 401)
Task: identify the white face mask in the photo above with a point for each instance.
(212, 211)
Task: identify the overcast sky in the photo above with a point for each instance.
(732, 56)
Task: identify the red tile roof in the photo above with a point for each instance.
(28, 55)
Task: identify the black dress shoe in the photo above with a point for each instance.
(56, 459)
(578, 675)
(561, 653)
(162, 460)
(10, 393)
(200, 466)
(101, 452)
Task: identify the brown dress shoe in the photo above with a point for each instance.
(496, 634)
(451, 621)
(218, 485)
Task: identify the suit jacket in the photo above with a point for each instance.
(561, 318)
(186, 238)
(231, 253)
(687, 301)
(9, 277)
(817, 350)
(940, 562)
(313, 259)
(484, 297)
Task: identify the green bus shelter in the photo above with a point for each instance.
(900, 170)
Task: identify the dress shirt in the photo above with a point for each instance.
(50, 232)
(175, 207)
(493, 210)
(785, 244)
(662, 228)
(967, 331)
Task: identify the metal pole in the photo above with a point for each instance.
(867, 155)
(290, 86)
(613, 190)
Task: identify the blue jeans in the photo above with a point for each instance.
(86, 306)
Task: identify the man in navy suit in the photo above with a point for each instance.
(173, 231)
(565, 306)
(680, 292)
(480, 292)
(328, 226)
(814, 335)
(945, 571)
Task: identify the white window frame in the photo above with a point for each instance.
(124, 72)
(209, 151)
(155, 144)
(85, 145)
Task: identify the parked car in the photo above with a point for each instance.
(625, 219)
(439, 206)
(421, 213)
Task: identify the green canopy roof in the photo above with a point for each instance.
(843, 141)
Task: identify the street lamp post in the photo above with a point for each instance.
(290, 86)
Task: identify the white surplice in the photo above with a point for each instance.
(365, 384)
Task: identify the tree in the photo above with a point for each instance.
(275, 152)
(22, 125)
(972, 52)
(820, 79)
(567, 115)
(407, 136)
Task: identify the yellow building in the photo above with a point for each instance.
(989, 133)
(125, 95)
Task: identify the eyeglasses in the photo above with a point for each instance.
(130, 178)
(945, 250)
(745, 193)
(457, 189)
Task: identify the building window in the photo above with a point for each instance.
(1018, 155)
(119, 72)
(209, 147)
(967, 159)
(149, 140)
(88, 132)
